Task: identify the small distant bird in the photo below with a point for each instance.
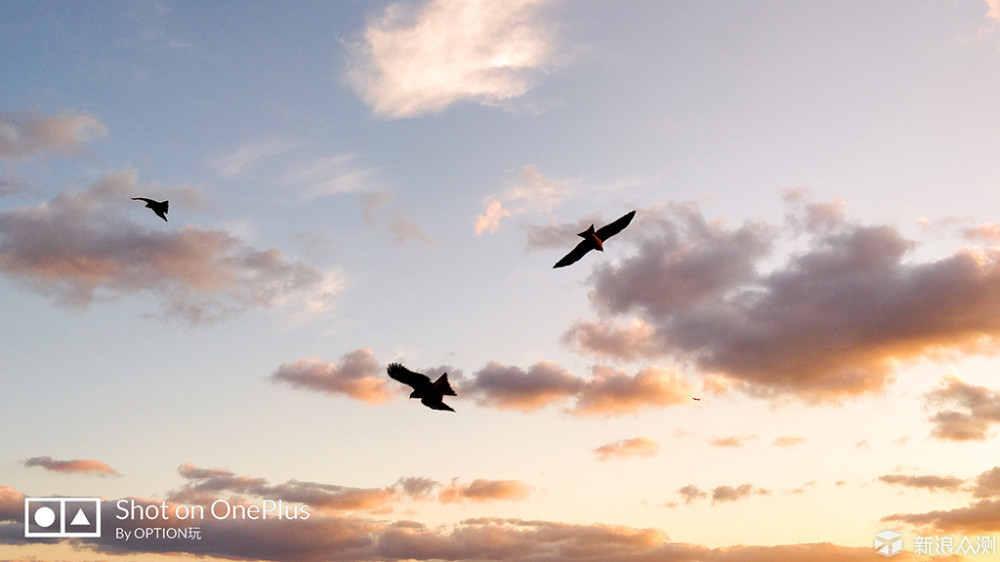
(430, 394)
(693, 398)
(594, 240)
(158, 207)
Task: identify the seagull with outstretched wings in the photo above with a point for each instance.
(594, 239)
(429, 393)
(158, 207)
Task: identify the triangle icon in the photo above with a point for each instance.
(80, 519)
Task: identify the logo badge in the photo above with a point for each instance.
(62, 517)
(888, 543)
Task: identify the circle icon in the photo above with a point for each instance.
(44, 516)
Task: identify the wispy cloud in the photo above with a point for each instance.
(83, 245)
(242, 160)
(81, 466)
(27, 136)
(413, 59)
(635, 447)
(529, 190)
(927, 482)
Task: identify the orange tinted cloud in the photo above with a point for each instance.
(481, 490)
(834, 320)
(417, 60)
(636, 447)
(979, 408)
(85, 466)
(788, 440)
(357, 375)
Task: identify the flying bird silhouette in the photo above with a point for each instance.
(158, 207)
(594, 240)
(430, 394)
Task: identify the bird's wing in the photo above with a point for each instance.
(143, 199)
(575, 254)
(609, 230)
(406, 376)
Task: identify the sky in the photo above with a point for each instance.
(790, 350)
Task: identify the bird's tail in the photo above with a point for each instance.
(441, 386)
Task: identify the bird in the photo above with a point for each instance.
(430, 394)
(594, 240)
(698, 399)
(158, 207)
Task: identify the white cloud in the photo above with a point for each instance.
(418, 60)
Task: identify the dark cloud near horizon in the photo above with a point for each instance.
(833, 320)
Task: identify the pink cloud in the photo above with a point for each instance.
(27, 136)
(636, 447)
(84, 466)
(357, 375)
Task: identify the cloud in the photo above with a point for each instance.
(833, 319)
(788, 440)
(690, 493)
(980, 409)
(993, 11)
(26, 136)
(418, 59)
(243, 158)
(357, 375)
(636, 447)
(612, 392)
(604, 339)
(349, 538)
(606, 392)
(489, 221)
(731, 441)
(481, 490)
(730, 494)
(529, 191)
(84, 245)
(928, 482)
(982, 515)
(83, 466)
(513, 388)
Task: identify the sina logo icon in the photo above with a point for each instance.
(62, 517)
(888, 543)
